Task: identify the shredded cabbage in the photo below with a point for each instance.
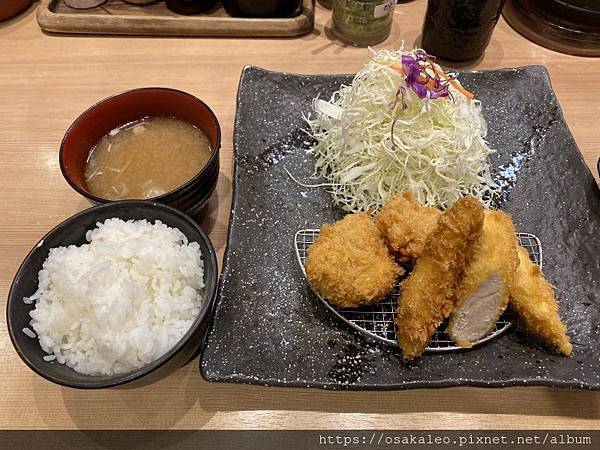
(377, 137)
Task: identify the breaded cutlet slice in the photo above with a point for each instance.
(349, 264)
(428, 295)
(532, 297)
(483, 293)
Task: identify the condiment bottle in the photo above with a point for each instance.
(459, 30)
(363, 22)
(188, 7)
(261, 8)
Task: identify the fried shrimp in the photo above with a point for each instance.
(406, 226)
(428, 295)
(532, 297)
(483, 293)
(349, 264)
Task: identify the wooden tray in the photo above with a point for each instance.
(117, 17)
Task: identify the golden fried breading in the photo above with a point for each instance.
(427, 296)
(349, 264)
(483, 293)
(532, 297)
(406, 225)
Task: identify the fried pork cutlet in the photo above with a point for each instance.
(428, 295)
(532, 297)
(349, 264)
(406, 225)
(483, 293)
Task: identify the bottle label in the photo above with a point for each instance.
(384, 9)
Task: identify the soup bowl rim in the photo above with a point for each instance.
(160, 198)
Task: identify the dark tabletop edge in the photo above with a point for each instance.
(250, 68)
(225, 267)
(440, 384)
(563, 122)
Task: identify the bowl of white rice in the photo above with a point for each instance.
(118, 295)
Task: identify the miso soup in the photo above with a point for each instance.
(146, 158)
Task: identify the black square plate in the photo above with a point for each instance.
(270, 329)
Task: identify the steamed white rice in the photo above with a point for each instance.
(121, 301)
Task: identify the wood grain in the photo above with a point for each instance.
(117, 17)
(47, 80)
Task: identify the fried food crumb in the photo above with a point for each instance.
(349, 264)
(406, 226)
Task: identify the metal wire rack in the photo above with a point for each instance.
(379, 321)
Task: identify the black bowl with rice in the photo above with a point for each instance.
(176, 263)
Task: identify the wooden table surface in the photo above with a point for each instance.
(46, 81)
